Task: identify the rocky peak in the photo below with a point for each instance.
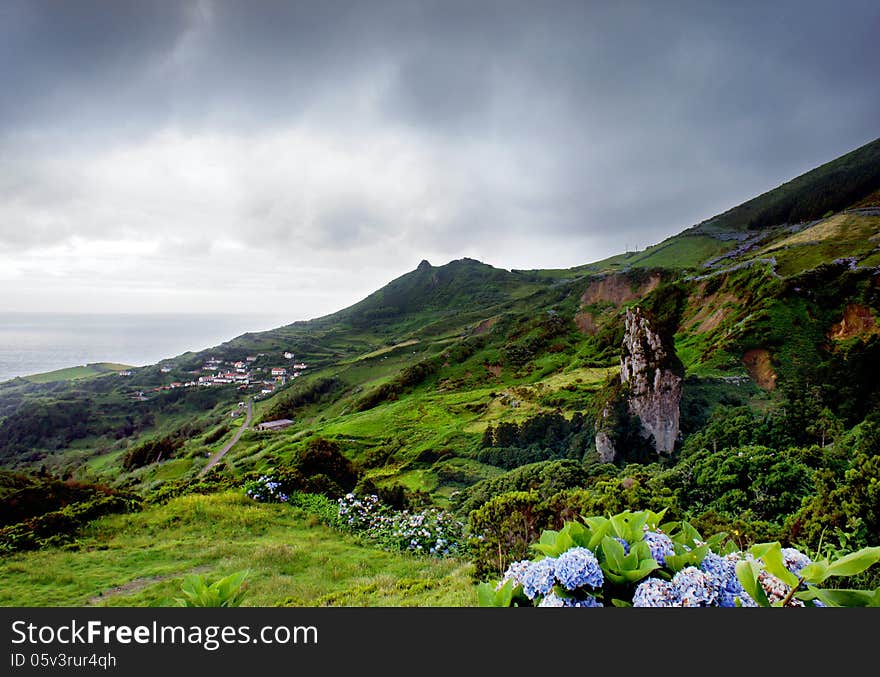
(654, 376)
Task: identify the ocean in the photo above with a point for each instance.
(32, 343)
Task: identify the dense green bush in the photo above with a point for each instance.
(26, 496)
(45, 423)
(546, 436)
(61, 526)
(847, 503)
(546, 478)
(161, 448)
(748, 481)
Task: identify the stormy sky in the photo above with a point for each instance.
(291, 157)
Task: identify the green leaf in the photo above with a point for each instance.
(548, 537)
(655, 517)
(687, 558)
(636, 524)
(771, 555)
(486, 594)
(815, 572)
(598, 532)
(596, 522)
(640, 549)
(617, 579)
(854, 563)
(621, 603)
(192, 585)
(842, 598)
(633, 575)
(729, 548)
(619, 525)
(747, 572)
(716, 539)
(228, 586)
(546, 549)
(563, 542)
(579, 533)
(614, 553)
(690, 533)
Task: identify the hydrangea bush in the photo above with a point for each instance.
(266, 489)
(631, 559)
(429, 532)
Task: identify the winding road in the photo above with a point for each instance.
(231, 443)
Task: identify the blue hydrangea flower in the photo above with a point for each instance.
(660, 546)
(795, 560)
(655, 592)
(693, 587)
(722, 572)
(588, 603)
(539, 578)
(552, 600)
(578, 567)
(515, 572)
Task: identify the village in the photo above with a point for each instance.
(245, 375)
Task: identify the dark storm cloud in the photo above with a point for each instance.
(441, 126)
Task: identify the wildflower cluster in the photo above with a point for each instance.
(266, 489)
(430, 531)
(628, 560)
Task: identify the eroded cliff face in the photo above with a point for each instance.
(654, 377)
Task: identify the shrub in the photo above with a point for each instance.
(430, 531)
(60, 526)
(630, 559)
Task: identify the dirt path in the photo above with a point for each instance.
(220, 454)
(137, 585)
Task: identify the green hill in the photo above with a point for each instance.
(832, 187)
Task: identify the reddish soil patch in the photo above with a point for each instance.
(858, 320)
(708, 311)
(760, 367)
(712, 322)
(494, 369)
(617, 289)
(586, 323)
(486, 325)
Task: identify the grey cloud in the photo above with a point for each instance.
(610, 123)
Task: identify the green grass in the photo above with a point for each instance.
(77, 373)
(871, 261)
(680, 252)
(140, 559)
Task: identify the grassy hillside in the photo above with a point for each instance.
(141, 559)
(75, 373)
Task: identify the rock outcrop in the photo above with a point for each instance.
(605, 446)
(654, 377)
